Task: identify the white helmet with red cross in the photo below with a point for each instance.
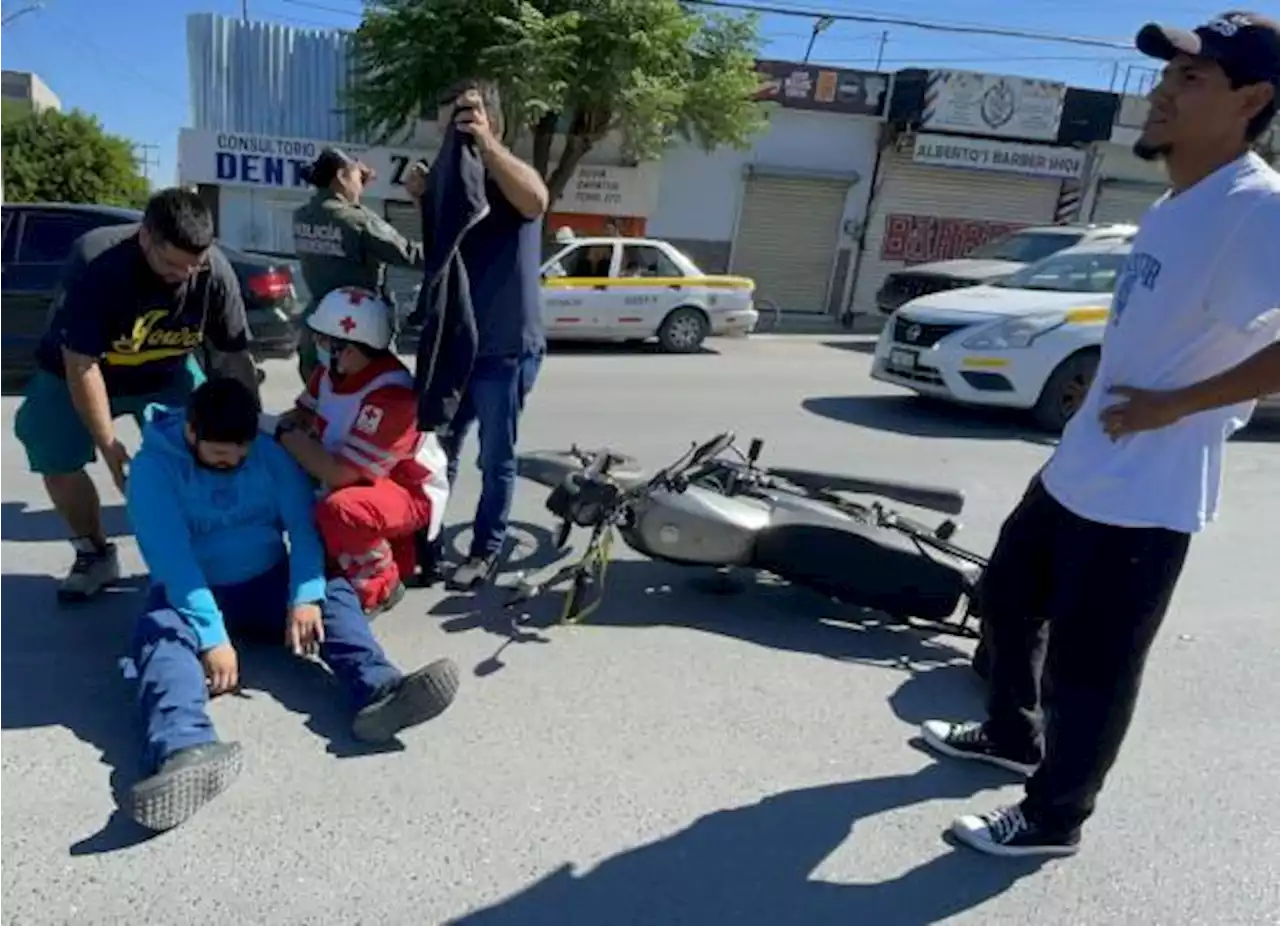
(350, 313)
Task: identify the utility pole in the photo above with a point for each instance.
(884, 40)
(820, 25)
(143, 157)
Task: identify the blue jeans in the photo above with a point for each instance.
(171, 686)
(495, 397)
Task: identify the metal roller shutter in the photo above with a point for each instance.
(786, 239)
(1124, 202)
(405, 219)
(915, 189)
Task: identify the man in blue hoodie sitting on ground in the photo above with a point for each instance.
(211, 500)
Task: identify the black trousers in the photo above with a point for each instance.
(1070, 608)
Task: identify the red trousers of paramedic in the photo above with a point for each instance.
(368, 533)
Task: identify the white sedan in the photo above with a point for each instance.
(1030, 341)
(612, 288)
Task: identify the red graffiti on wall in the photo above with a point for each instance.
(917, 239)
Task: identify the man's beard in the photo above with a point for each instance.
(1149, 151)
(222, 468)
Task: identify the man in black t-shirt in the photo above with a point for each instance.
(136, 302)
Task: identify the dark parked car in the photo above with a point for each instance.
(37, 242)
(991, 261)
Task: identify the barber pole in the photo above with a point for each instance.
(1071, 194)
(1070, 199)
(932, 88)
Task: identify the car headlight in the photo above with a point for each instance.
(1014, 333)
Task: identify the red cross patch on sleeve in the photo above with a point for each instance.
(369, 419)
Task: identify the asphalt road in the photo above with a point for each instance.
(685, 759)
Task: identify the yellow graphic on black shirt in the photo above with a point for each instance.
(144, 344)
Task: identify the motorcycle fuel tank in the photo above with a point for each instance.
(697, 527)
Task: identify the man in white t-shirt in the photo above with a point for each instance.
(1096, 545)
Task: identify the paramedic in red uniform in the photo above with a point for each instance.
(355, 431)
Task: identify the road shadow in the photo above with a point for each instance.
(753, 609)
(528, 547)
(61, 669)
(752, 866)
(854, 345)
(21, 523)
(951, 691)
(919, 417)
(65, 667)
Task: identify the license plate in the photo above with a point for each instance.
(903, 359)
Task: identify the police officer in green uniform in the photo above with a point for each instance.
(340, 242)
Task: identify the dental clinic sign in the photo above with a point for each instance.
(1000, 156)
(268, 162)
(241, 159)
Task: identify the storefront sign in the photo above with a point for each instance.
(992, 104)
(836, 90)
(610, 189)
(246, 160)
(918, 239)
(1000, 156)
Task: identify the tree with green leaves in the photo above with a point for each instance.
(570, 72)
(55, 157)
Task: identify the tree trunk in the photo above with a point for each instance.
(575, 149)
(544, 135)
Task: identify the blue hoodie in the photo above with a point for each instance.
(199, 529)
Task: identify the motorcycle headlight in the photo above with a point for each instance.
(1014, 333)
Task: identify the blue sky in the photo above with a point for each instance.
(131, 70)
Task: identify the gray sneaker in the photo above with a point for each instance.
(94, 569)
(476, 571)
(187, 780)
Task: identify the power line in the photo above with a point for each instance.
(925, 25)
(322, 7)
(29, 8)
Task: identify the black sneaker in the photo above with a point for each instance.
(476, 571)
(1008, 832)
(430, 556)
(970, 741)
(187, 780)
(414, 699)
(395, 596)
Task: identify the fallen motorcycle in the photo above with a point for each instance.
(716, 507)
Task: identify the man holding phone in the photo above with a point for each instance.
(502, 254)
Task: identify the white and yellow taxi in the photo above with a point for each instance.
(1029, 341)
(614, 288)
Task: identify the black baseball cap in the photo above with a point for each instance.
(1245, 45)
(323, 169)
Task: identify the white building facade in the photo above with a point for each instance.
(786, 211)
(266, 100)
(968, 157)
